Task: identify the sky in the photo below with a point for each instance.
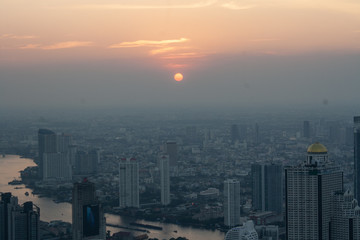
(124, 53)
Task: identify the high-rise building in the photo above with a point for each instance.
(357, 157)
(56, 166)
(128, 183)
(345, 220)
(165, 179)
(18, 222)
(171, 149)
(244, 232)
(309, 189)
(47, 141)
(231, 202)
(88, 221)
(54, 155)
(306, 129)
(267, 186)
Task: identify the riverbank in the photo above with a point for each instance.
(10, 168)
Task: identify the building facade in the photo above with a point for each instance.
(18, 222)
(244, 232)
(267, 186)
(88, 221)
(309, 192)
(231, 202)
(165, 179)
(128, 183)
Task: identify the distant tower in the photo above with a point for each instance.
(234, 132)
(18, 222)
(231, 202)
(244, 232)
(309, 191)
(57, 166)
(267, 186)
(357, 157)
(47, 142)
(54, 155)
(172, 150)
(128, 183)
(164, 179)
(88, 221)
(306, 129)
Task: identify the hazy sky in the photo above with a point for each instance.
(83, 53)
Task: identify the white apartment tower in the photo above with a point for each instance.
(309, 189)
(231, 202)
(128, 183)
(164, 179)
(244, 232)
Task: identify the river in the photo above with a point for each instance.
(10, 167)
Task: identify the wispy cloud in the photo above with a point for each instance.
(161, 50)
(12, 36)
(30, 46)
(147, 43)
(200, 4)
(236, 6)
(184, 55)
(59, 45)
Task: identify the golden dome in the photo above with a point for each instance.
(317, 148)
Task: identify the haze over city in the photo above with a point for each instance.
(84, 54)
(179, 119)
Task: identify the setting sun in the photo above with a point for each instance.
(178, 77)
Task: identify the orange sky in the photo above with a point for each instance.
(175, 34)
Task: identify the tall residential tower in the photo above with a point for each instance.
(309, 190)
(231, 202)
(128, 183)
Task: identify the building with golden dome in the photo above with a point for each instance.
(309, 188)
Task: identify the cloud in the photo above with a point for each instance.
(124, 6)
(59, 45)
(30, 46)
(161, 50)
(12, 36)
(235, 6)
(184, 55)
(147, 43)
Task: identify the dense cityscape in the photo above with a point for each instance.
(284, 175)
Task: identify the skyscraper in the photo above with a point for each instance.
(231, 202)
(357, 157)
(244, 232)
(309, 191)
(345, 220)
(172, 150)
(164, 179)
(57, 166)
(267, 186)
(54, 155)
(18, 222)
(128, 183)
(47, 141)
(87, 213)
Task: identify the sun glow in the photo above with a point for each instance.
(178, 77)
